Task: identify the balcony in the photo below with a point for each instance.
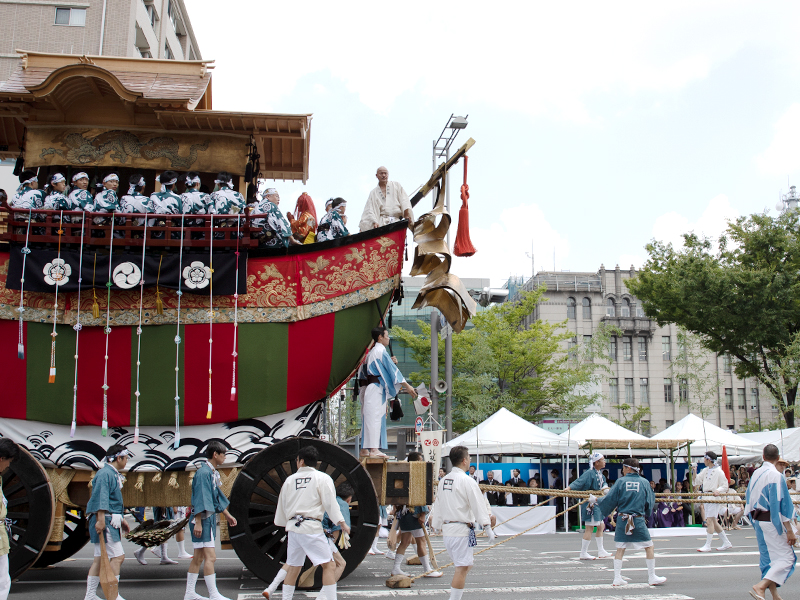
(633, 326)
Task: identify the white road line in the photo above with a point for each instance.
(661, 567)
(126, 581)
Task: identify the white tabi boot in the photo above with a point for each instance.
(426, 564)
(652, 578)
(374, 548)
(618, 580)
(601, 551)
(267, 593)
(398, 560)
(726, 543)
(211, 584)
(91, 587)
(707, 547)
(455, 594)
(119, 596)
(287, 592)
(191, 583)
(182, 553)
(139, 555)
(585, 550)
(328, 592)
(165, 559)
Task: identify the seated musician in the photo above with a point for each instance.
(194, 202)
(28, 195)
(275, 231)
(167, 202)
(331, 226)
(106, 200)
(225, 200)
(54, 197)
(79, 196)
(136, 202)
(304, 226)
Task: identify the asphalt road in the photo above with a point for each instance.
(541, 566)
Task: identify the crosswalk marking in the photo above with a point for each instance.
(475, 592)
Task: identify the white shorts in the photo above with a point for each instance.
(593, 523)
(635, 545)
(417, 533)
(459, 550)
(332, 544)
(113, 549)
(313, 545)
(210, 544)
(712, 511)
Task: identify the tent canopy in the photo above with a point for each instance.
(596, 427)
(706, 436)
(506, 433)
(787, 441)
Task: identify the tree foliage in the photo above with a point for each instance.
(631, 417)
(508, 360)
(739, 296)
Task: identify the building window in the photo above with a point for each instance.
(670, 422)
(640, 311)
(665, 348)
(754, 398)
(613, 390)
(611, 311)
(572, 349)
(168, 52)
(151, 12)
(75, 17)
(644, 391)
(629, 391)
(570, 308)
(667, 389)
(726, 363)
(729, 398)
(612, 348)
(627, 351)
(683, 390)
(587, 309)
(740, 396)
(642, 349)
(646, 428)
(625, 308)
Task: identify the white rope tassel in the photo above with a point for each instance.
(58, 278)
(21, 309)
(210, 307)
(139, 339)
(77, 327)
(178, 347)
(107, 329)
(234, 354)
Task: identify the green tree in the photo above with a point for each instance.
(631, 416)
(739, 296)
(507, 359)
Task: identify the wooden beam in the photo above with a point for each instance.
(440, 172)
(94, 86)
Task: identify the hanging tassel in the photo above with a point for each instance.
(104, 430)
(159, 304)
(52, 377)
(135, 435)
(95, 307)
(177, 423)
(72, 429)
(21, 351)
(463, 245)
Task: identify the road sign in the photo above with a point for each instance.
(418, 425)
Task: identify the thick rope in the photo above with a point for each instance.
(178, 344)
(139, 338)
(77, 327)
(583, 494)
(25, 251)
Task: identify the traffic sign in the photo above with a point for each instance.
(418, 425)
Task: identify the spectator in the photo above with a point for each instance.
(516, 481)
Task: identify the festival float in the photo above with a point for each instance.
(163, 334)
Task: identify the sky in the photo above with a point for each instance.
(598, 126)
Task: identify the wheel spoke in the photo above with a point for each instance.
(266, 531)
(281, 473)
(265, 519)
(265, 494)
(268, 508)
(18, 515)
(275, 539)
(10, 491)
(272, 483)
(18, 501)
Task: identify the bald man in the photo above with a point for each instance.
(387, 203)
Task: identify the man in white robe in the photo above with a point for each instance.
(387, 203)
(384, 381)
(712, 479)
(769, 506)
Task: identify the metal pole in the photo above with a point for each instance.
(434, 363)
(447, 206)
(448, 377)
(339, 419)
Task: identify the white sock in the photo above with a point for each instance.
(277, 581)
(91, 586)
(598, 540)
(164, 552)
(374, 545)
(287, 592)
(426, 563)
(709, 538)
(119, 596)
(585, 546)
(617, 568)
(181, 547)
(211, 584)
(651, 567)
(191, 582)
(398, 560)
(724, 537)
(328, 592)
(455, 594)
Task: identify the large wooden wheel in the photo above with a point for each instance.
(76, 536)
(259, 543)
(31, 508)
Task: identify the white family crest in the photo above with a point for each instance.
(57, 272)
(197, 275)
(126, 275)
(631, 486)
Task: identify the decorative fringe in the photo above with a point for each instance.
(52, 377)
(95, 306)
(104, 429)
(135, 435)
(21, 351)
(463, 245)
(72, 429)
(177, 441)
(159, 304)
(208, 414)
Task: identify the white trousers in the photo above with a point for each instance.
(777, 556)
(372, 412)
(5, 579)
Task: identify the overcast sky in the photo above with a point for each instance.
(599, 125)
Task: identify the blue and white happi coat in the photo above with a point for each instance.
(768, 492)
(593, 480)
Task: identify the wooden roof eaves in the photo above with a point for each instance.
(49, 85)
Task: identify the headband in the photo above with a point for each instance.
(716, 461)
(229, 182)
(595, 457)
(31, 180)
(172, 181)
(637, 469)
(133, 186)
(192, 180)
(57, 178)
(80, 175)
(111, 177)
(114, 457)
(270, 191)
(328, 202)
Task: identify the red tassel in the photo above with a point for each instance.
(463, 245)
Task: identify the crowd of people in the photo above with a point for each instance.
(387, 203)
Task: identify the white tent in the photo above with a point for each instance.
(595, 427)
(506, 433)
(787, 441)
(706, 436)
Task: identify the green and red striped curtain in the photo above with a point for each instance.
(280, 366)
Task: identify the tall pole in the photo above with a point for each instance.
(448, 378)
(434, 363)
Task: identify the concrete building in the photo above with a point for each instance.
(132, 28)
(643, 373)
